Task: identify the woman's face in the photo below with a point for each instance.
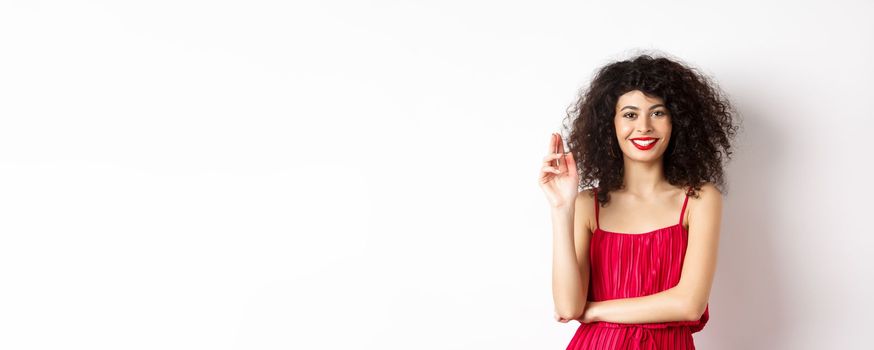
(638, 118)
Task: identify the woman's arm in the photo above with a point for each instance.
(688, 299)
(570, 262)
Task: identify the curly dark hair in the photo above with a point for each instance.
(701, 119)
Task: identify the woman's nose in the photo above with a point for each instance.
(644, 125)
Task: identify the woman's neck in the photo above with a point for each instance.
(644, 179)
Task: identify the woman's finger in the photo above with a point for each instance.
(557, 143)
(571, 163)
(550, 157)
(562, 163)
(550, 169)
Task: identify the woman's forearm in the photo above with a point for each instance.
(568, 289)
(665, 306)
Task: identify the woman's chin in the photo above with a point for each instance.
(635, 156)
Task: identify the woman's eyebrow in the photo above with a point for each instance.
(635, 107)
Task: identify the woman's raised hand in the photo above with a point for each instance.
(559, 181)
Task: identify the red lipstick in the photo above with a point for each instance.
(647, 147)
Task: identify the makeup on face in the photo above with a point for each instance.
(642, 120)
(644, 143)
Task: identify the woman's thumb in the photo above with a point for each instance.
(571, 162)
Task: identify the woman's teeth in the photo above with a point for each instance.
(643, 143)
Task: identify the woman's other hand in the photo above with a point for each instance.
(560, 182)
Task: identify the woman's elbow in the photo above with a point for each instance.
(694, 311)
(572, 313)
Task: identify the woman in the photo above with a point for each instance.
(634, 257)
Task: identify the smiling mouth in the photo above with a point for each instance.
(644, 144)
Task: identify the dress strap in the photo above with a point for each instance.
(595, 191)
(682, 211)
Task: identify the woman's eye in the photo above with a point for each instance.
(660, 113)
(628, 115)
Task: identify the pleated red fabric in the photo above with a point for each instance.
(627, 265)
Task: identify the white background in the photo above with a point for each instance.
(362, 174)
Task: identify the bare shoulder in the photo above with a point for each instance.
(708, 193)
(706, 203)
(584, 209)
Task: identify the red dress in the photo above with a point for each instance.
(627, 265)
